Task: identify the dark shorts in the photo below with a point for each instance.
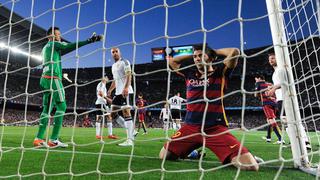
(225, 145)
(101, 109)
(175, 114)
(120, 101)
(269, 111)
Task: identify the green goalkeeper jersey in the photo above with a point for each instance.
(52, 64)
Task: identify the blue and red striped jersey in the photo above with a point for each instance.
(266, 100)
(140, 102)
(196, 105)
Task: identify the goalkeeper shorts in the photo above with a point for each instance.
(58, 93)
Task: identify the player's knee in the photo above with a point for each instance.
(126, 113)
(44, 117)
(163, 153)
(167, 155)
(61, 107)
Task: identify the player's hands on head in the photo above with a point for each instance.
(94, 38)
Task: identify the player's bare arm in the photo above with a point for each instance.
(175, 63)
(272, 90)
(231, 56)
(125, 91)
(111, 88)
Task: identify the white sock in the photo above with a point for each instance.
(109, 125)
(129, 125)
(174, 126)
(98, 129)
(121, 121)
(179, 126)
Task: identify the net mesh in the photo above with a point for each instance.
(302, 31)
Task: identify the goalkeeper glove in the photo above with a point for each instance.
(94, 37)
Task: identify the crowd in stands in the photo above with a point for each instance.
(20, 85)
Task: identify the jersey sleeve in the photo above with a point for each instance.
(68, 47)
(223, 70)
(127, 66)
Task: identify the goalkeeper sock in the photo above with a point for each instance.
(57, 125)
(109, 125)
(98, 129)
(130, 128)
(58, 118)
(44, 117)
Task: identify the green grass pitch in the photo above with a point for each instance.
(84, 161)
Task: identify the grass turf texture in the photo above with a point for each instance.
(114, 159)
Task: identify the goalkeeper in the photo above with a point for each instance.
(51, 84)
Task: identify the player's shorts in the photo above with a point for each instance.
(120, 101)
(175, 114)
(225, 145)
(165, 120)
(141, 117)
(101, 109)
(58, 94)
(269, 111)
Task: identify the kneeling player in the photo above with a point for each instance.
(227, 148)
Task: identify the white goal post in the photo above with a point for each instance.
(288, 86)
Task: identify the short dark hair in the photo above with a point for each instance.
(271, 52)
(260, 76)
(49, 31)
(208, 50)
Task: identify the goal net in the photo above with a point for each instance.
(136, 27)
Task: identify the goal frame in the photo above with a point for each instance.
(290, 100)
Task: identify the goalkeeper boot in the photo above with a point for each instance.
(112, 137)
(39, 143)
(128, 142)
(57, 143)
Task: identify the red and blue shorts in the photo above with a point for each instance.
(269, 111)
(220, 142)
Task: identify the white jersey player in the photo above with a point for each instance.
(165, 116)
(276, 89)
(102, 108)
(123, 99)
(175, 108)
